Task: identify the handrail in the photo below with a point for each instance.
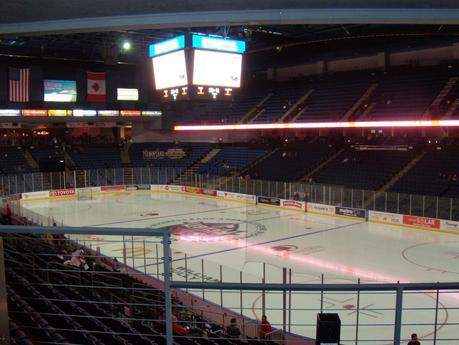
(317, 287)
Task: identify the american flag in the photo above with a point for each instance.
(19, 84)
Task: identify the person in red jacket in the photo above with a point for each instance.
(177, 328)
(265, 327)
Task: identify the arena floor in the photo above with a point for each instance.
(241, 238)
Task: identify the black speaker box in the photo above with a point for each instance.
(328, 329)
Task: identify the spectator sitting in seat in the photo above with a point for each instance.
(265, 328)
(177, 328)
(414, 340)
(233, 331)
(77, 260)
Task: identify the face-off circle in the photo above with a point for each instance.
(428, 256)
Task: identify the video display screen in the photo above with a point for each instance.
(216, 68)
(170, 70)
(60, 91)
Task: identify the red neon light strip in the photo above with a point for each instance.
(317, 125)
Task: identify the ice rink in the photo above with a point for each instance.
(239, 238)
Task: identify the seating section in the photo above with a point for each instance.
(13, 161)
(401, 93)
(407, 94)
(363, 169)
(292, 162)
(231, 159)
(284, 97)
(223, 111)
(96, 156)
(437, 173)
(53, 303)
(334, 96)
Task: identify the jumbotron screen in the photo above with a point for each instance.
(212, 68)
(170, 70)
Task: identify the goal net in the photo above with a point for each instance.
(84, 194)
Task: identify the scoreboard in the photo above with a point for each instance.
(197, 67)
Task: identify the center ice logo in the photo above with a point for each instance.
(206, 232)
(212, 229)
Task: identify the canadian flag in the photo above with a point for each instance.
(96, 87)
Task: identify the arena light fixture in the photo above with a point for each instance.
(319, 125)
(126, 45)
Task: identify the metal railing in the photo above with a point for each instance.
(371, 313)
(410, 204)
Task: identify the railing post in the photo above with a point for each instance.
(289, 301)
(385, 202)
(221, 291)
(202, 277)
(157, 261)
(4, 325)
(451, 209)
(436, 317)
(144, 258)
(167, 287)
(398, 315)
(263, 293)
(186, 269)
(322, 294)
(436, 209)
(357, 316)
(74, 179)
(284, 300)
(240, 296)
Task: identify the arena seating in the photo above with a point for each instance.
(13, 161)
(437, 173)
(52, 303)
(334, 96)
(363, 169)
(231, 159)
(223, 111)
(89, 157)
(285, 95)
(292, 162)
(407, 93)
(403, 92)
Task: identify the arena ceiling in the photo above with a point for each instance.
(92, 29)
(52, 16)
